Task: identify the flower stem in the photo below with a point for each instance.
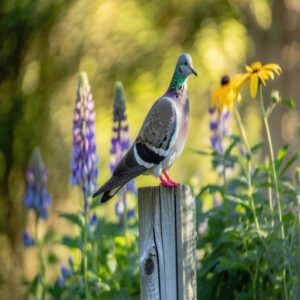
(125, 212)
(242, 128)
(249, 168)
(84, 250)
(221, 137)
(270, 198)
(255, 279)
(42, 270)
(126, 234)
(224, 175)
(271, 152)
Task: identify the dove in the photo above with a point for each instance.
(161, 138)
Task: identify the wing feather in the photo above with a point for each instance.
(127, 169)
(158, 132)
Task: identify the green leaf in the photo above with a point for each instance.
(202, 152)
(235, 138)
(103, 286)
(73, 218)
(287, 186)
(96, 202)
(33, 286)
(111, 263)
(281, 155)
(210, 188)
(226, 263)
(208, 266)
(235, 199)
(239, 181)
(49, 236)
(288, 164)
(288, 217)
(120, 241)
(52, 258)
(235, 141)
(290, 102)
(265, 184)
(71, 242)
(251, 255)
(255, 148)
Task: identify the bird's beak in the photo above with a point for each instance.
(194, 72)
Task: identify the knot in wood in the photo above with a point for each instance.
(149, 266)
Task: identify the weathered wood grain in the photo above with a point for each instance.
(167, 243)
(186, 243)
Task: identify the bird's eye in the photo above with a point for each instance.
(185, 63)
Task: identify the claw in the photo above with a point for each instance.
(165, 182)
(170, 181)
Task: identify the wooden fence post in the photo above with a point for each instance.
(167, 243)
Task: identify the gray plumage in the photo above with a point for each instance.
(162, 136)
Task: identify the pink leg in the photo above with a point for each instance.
(173, 183)
(165, 182)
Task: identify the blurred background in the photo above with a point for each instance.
(46, 43)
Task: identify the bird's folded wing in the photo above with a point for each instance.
(158, 133)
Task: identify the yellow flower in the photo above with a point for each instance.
(257, 74)
(224, 96)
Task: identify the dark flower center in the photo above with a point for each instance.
(225, 80)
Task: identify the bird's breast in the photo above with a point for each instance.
(183, 122)
(184, 112)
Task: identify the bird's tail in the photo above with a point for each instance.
(109, 189)
(127, 169)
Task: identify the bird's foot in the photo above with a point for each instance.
(170, 181)
(165, 182)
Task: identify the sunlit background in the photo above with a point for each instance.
(46, 43)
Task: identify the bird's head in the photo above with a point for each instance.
(185, 65)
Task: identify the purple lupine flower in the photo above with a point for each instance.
(243, 150)
(220, 132)
(60, 282)
(213, 125)
(71, 262)
(28, 240)
(211, 109)
(37, 196)
(92, 225)
(131, 187)
(65, 272)
(120, 143)
(131, 213)
(94, 220)
(119, 208)
(119, 211)
(84, 157)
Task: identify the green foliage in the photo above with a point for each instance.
(112, 268)
(238, 259)
(74, 218)
(290, 102)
